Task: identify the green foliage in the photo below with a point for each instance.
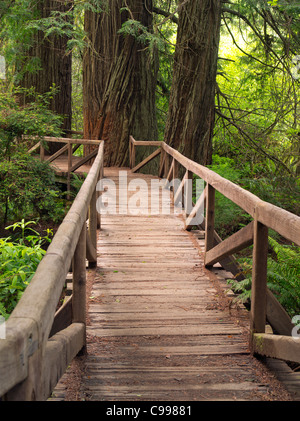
(28, 189)
(283, 276)
(27, 186)
(32, 119)
(228, 216)
(18, 263)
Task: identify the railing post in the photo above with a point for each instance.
(188, 193)
(259, 278)
(98, 196)
(79, 280)
(93, 221)
(42, 152)
(69, 168)
(210, 218)
(162, 163)
(132, 155)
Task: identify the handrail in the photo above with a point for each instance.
(264, 306)
(68, 147)
(31, 363)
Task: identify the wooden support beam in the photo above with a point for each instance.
(145, 161)
(58, 153)
(63, 317)
(79, 280)
(169, 175)
(84, 160)
(198, 207)
(277, 346)
(210, 218)
(60, 350)
(259, 278)
(180, 191)
(231, 245)
(34, 148)
(162, 163)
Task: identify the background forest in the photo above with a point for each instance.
(111, 69)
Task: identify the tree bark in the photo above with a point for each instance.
(191, 114)
(55, 67)
(119, 81)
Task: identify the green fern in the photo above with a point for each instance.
(283, 277)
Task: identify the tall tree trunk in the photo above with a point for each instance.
(56, 67)
(119, 81)
(191, 115)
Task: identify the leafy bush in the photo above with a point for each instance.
(28, 190)
(18, 263)
(32, 119)
(228, 216)
(283, 276)
(27, 186)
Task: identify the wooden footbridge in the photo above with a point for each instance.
(157, 321)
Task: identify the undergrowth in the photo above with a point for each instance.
(19, 260)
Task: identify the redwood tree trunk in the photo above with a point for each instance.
(56, 67)
(119, 81)
(191, 115)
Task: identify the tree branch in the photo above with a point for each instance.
(162, 12)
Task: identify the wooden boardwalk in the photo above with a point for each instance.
(159, 325)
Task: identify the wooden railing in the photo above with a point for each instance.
(264, 306)
(71, 145)
(40, 341)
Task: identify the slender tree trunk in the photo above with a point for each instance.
(55, 67)
(119, 81)
(191, 115)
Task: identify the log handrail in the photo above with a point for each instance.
(264, 306)
(34, 354)
(68, 147)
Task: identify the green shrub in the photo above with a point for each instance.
(18, 264)
(28, 190)
(283, 276)
(228, 216)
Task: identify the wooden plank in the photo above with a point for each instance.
(144, 142)
(15, 350)
(277, 317)
(280, 220)
(210, 218)
(146, 160)
(277, 346)
(59, 352)
(70, 140)
(79, 280)
(231, 245)
(84, 160)
(91, 251)
(51, 158)
(259, 278)
(34, 148)
(180, 192)
(189, 223)
(163, 330)
(62, 318)
(246, 200)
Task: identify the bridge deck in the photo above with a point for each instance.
(159, 324)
